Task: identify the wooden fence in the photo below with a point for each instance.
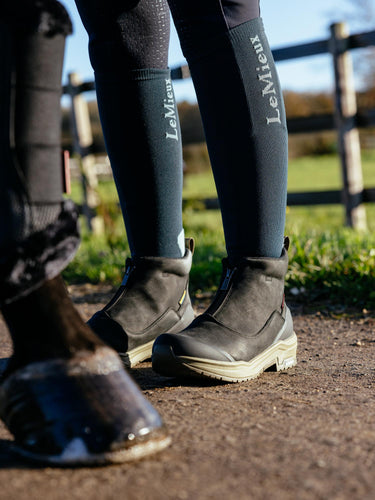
(345, 120)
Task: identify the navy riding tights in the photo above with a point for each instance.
(241, 106)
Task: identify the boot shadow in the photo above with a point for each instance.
(10, 460)
(3, 365)
(146, 378)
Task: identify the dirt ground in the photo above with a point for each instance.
(306, 433)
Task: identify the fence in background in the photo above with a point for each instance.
(345, 120)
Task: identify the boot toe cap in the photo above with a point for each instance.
(109, 331)
(180, 345)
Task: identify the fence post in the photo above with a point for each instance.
(82, 140)
(348, 136)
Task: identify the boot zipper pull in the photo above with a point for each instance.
(227, 279)
(128, 272)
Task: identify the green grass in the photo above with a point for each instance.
(338, 266)
(327, 261)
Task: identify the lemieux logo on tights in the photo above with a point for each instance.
(265, 76)
(170, 112)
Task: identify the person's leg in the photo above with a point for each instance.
(60, 376)
(231, 64)
(128, 46)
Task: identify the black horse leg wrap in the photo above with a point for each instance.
(38, 231)
(47, 17)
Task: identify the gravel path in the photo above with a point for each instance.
(307, 433)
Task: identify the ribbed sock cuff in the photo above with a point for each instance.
(132, 75)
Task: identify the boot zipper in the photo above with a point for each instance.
(128, 272)
(218, 300)
(227, 279)
(120, 291)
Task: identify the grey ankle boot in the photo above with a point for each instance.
(152, 299)
(247, 329)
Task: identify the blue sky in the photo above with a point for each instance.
(287, 22)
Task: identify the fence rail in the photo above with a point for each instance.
(345, 120)
(318, 47)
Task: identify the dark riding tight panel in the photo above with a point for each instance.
(237, 12)
(135, 33)
(126, 34)
(203, 20)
